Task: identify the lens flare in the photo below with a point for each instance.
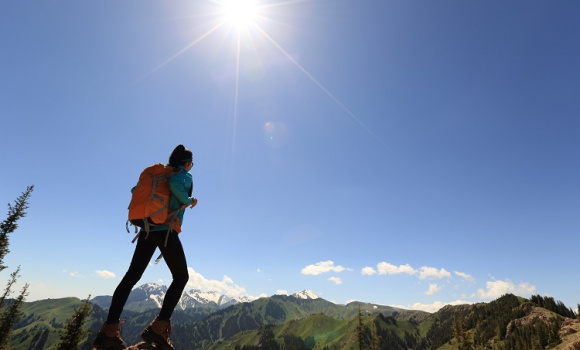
(275, 134)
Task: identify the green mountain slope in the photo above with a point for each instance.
(277, 309)
(316, 329)
(323, 332)
(43, 320)
(508, 323)
(39, 327)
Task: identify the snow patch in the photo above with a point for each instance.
(305, 294)
(158, 299)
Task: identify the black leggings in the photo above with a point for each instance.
(174, 257)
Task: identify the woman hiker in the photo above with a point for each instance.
(159, 236)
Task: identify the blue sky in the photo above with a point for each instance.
(410, 153)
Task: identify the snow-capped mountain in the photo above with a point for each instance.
(196, 297)
(150, 296)
(148, 291)
(305, 294)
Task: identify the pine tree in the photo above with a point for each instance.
(9, 317)
(74, 332)
(11, 313)
(467, 343)
(267, 340)
(375, 338)
(360, 330)
(293, 342)
(9, 225)
(461, 335)
(457, 329)
(8, 290)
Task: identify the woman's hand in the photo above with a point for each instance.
(193, 202)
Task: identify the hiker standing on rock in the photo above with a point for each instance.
(152, 236)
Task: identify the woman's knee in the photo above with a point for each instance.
(181, 277)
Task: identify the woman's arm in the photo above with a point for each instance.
(180, 185)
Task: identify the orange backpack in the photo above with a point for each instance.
(150, 199)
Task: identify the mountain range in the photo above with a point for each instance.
(150, 296)
(303, 321)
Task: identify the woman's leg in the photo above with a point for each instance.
(174, 256)
(141, 258)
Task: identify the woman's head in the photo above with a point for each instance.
(180, 156)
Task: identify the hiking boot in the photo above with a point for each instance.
(157, 334)
(109, 337)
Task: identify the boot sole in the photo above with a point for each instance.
(108, 345)
(155, 340)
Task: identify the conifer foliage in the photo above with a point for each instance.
(10, 225)
(367, 338)
(11, 313)
(360, 330)
(74, 331)
(8, 290)
(461, 333)
(267, 339)
(553, 305)
(10, 310)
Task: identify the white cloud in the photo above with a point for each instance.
(436, 305)
(73, 273)
(495, 289)
(432, 273)
(105, 274)
(322, 267)
(336, 280)
(385, 268)
(433, 288)
(368, 271)
(281, 292)
(428, 307)
(467, 277)
(225, 286)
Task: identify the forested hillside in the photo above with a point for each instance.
(284, 322)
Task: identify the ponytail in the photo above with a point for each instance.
(180, 156)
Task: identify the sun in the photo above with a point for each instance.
(239, 13)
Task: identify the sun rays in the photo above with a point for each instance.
(241, 20)
(319, 84)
